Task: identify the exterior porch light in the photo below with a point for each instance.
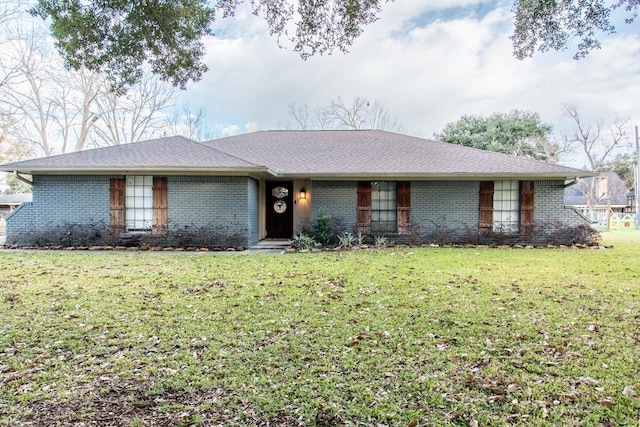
(303, 193)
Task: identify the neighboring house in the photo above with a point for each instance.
(9, 202)
(271, 184)
(600, 196)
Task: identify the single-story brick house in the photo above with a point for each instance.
(271, 184)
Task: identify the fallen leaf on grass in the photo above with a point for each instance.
(497, 398)
(629, 391)
(496, 390)
(587, 381)
(17, 375)
(512, 388)
(443, 345)
(606, 403)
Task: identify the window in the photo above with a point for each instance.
(506, 205)
(139, 202)
(383, 207)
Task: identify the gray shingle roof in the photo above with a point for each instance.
(158, 154)
(319, 154)
(15, 199)
(375, 152)
(615, 191)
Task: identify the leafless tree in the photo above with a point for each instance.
(599, 144)
(8, 10)
(52, 108)
(301, 116)
(360, 114)
(190, 123)
(12, 13)
(55, 110)
(138, 114)
(11, 148)
(29, 96)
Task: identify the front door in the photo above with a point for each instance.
(279, 210)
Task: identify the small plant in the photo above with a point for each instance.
(585, 234)
(346, 240)
(442, 234)
(414, 235)
(471, 234)
(302, 241)
(69, 234)
(381, 241)
(360, 238)
(499, 235)
(321, 228)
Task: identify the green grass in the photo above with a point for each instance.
(390, 337)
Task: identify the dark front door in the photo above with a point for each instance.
(279, 210)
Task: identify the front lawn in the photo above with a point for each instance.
(409, 337)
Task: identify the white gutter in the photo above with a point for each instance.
(570, 183)
(22, 178)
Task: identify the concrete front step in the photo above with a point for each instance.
(274, 246)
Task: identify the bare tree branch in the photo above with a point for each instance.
(300, 115)
(137, 115)
(599, 147)
(360, 114)
(190, 123)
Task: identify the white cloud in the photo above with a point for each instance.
(427, 74)
(229, 130)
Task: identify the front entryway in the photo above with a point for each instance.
(279, 209)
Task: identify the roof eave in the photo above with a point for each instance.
(149, 170)
(459, 176)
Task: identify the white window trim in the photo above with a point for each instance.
(506, 206)
(386, 207)
(139, 202)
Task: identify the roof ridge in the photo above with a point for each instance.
(203, 144)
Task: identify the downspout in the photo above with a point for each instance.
(22, 178)
(570, 183)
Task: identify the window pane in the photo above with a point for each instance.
(506, 205)
(383, 207)
(139, 202)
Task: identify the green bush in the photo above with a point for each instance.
(321, 228)
(302, 241)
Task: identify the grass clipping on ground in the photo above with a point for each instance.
(389, 337)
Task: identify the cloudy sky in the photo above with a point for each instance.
(428, 61)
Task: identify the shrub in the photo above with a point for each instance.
(442, 235)
(556, 233)
(346, 240)
(321, 228)
(585, 235)
(381, 241)
(414, 236)
(471, 234)
(70, 234)
(302, 241)
(194, 236)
